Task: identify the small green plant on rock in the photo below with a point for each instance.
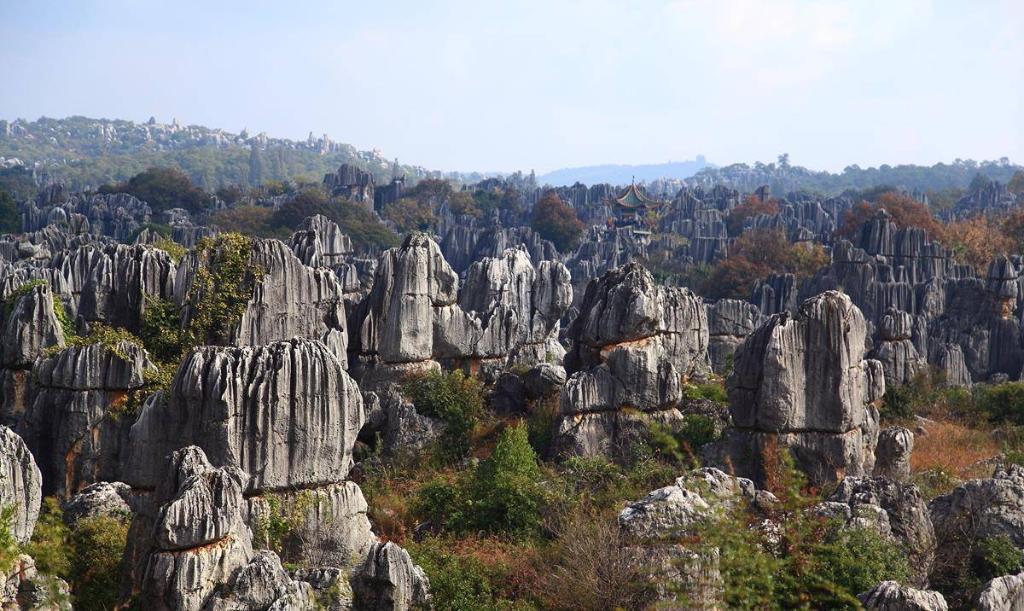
(455, 399)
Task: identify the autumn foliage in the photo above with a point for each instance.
(978, 240)
(751, 207)
(555, 220)
(904, 210)
(755, 255)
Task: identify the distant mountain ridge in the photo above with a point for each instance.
(622, 174)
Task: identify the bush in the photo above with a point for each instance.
(8, 544)
(173, 249)
(1003, 402)
(457, 582)
(165, 188)
(555, 220)
(506, 492)
(357, 221)
(98, 543)
(221, 287)
(994, 557)
(454, 398)
(710, 391)
(88, 556)
(10, 218)
(858, 559)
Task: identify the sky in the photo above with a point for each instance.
(502, 86)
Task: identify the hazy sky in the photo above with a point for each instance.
(483, 85)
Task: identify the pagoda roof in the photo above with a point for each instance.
(634, 198)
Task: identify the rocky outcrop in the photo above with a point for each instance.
(802, 382)
(388, 580)
(633, 346)
(897, 510)
(286, 413)
(414, 318)
(730, 321)
(191, 537)
(84, 400)
(106, 499)
(288, 299)
(654, 526)
(30, 326)
(891, 596)
(1002, 594)
(978, 509)
(20, 484)
(896, 350)
(892, 455)
(111, 283)
(319, 242)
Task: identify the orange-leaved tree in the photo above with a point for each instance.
(904, 210)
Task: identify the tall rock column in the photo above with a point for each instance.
(801, 382)
(633, 346)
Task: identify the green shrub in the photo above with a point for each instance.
(994, 557)
(858, 559)
(443, 504)
(455, 399)
(161, 330)
(98, 543)
(698, 430)
(1003, 402)
(542, 425)
(457, 583)
(278, 529)
(172, 248)
(8, 544)
(221, 287)
(711, 391)
(49, 545)
(506, 494)
(87, 556)
(109, 337)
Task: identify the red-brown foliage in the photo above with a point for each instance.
(751, 206)
(755, 255)
(905, 212)
(555, 220)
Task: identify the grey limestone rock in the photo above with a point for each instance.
(891, 596)
(802, 382)
(107, 499)
(730, 321)
(286, 413)
(1002, 594)
(192, 538)
(902, 514)
(79, 415)
(978, 509)
(388, 580)
(20, 484)
(892, 455)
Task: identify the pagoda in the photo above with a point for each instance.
(632, 206)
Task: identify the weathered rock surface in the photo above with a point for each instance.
(288, 300)
(891, 596)
(898, 510)
(892, 455)
(1002, 594)
(20, 484)
(730, 321)
(30, 327)
(978, 509)
(633, 345)
(286, 413)
(389, 580)
(106, 499)
(190, 538)
(80, 413)
(802, 382)
(414, 316)
(896, 350)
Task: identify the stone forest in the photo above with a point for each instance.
(383, 391)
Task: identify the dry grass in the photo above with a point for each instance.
(957, 450)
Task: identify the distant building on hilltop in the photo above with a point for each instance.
(631, 209)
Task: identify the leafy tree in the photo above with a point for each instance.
(555, 220)
(453, 398)
(755, 255)
(249, 220)
(1016, 184)
(431, 190)
(464, 203)
(164, 188)
(506, 492)
(10, 219)
(231, 194)
(751, 206)
(977, 240)
(904, 210)
(359, 223)
(410, 214)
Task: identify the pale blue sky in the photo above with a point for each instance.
(517, 85)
